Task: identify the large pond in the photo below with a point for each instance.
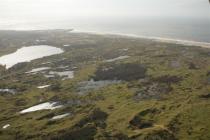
(27, 54)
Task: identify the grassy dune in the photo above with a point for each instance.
(161, 93)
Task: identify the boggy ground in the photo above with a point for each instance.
(159, 91)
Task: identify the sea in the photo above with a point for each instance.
(191, 29)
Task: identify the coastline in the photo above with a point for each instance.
(153, 38)
(157, 39)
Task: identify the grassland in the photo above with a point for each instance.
(162, 90)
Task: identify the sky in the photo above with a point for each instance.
(32, 9)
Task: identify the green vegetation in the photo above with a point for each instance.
(162, 93)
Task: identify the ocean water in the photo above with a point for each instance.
(192, 29)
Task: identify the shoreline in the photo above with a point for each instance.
(153, 38)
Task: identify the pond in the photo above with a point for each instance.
(60, 116)
(65, 74)
(27, 54)
(10, 91)
(117, 58)
(43, 106)
(38, 70)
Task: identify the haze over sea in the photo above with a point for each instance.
(180, 19)
(184, 29)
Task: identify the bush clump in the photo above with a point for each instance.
(127, 72)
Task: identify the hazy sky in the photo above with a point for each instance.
(20, 9)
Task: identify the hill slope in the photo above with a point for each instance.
(123, 88)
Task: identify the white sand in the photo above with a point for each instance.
(158, 39)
